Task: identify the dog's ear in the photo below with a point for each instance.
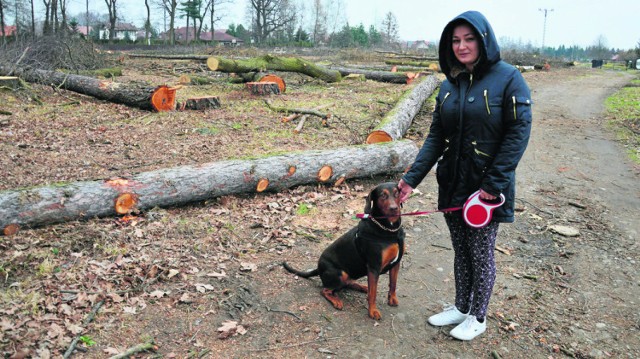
(368, 206)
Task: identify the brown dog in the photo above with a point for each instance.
(373, 247)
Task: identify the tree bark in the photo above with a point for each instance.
(199, 103)
(181, 185)
(429, 64)
(172, 57)
(268, 62)
(263, 88)
(381, 76)
(396, 123)
(161, 98)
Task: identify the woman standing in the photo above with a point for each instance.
(480, 130)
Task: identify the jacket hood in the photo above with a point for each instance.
(489, 49)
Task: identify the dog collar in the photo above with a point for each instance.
(392, 230)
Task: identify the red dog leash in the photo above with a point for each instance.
(476, 212)
(419, 213)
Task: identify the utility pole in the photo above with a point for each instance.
(544, 27)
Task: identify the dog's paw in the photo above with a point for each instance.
(393, 300)
(375, 314)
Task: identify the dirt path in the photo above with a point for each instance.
(582, 293)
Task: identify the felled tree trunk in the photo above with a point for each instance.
(10, 82)
(381, 76)
(161, 98)
(180, 185)
(199, 103)
(428, 64)
(273, 63)
(172, 57)
(396, 123)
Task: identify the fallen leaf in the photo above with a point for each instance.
(111, 351)
(217, 275)
(173, 273)
(564, 230)
(248, 267)
(158, 293)
(129, 310)
(185, 299)
(200, 287)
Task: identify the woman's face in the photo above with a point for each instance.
(465, 45)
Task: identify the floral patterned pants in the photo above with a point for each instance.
(474, 264)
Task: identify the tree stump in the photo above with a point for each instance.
(274, 78)
(263, 88)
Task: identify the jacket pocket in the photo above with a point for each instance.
(521, 107)
(481, 159)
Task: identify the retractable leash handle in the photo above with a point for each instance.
(477, 212)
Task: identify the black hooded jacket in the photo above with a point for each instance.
(481, 124)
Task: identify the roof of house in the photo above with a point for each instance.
(9, 30)
(218, 35)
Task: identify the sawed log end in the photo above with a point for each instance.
(378, 136)
(125, 203)
(325, 173)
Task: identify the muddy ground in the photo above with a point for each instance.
(178, 275)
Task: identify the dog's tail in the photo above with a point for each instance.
(307, 274)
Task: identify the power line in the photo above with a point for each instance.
(544, 27)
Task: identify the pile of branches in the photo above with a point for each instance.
(53, 53)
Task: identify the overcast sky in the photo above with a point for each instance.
(572, 22)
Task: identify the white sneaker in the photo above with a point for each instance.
(450, 315)
(469, 329)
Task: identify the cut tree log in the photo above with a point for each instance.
(38, 206)
(303, 111)
(263, 88)
(199, 103)
(427, 64)
(160, 98)
(10, 82)
(396, 123)
(381, 76)
(273, 63)
(172, 57)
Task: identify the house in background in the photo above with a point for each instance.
(84, 30)
(123, 31)
(420, 45)
(9, 31)
(219, 36)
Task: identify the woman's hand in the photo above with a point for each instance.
(405, 190)
(486, 196)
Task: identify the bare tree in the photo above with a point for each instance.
(213, 7)
(319, 18)
(147, 23)
(390, 27)
(64, 26)
(51, 25)
(113, 17)
(33, 21)
(335, 16)
(2, 6)
(170, 8)
(269, 16)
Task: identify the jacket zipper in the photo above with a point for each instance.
(486, 101)
(478, 152)
(514, 107)
(444, 99)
